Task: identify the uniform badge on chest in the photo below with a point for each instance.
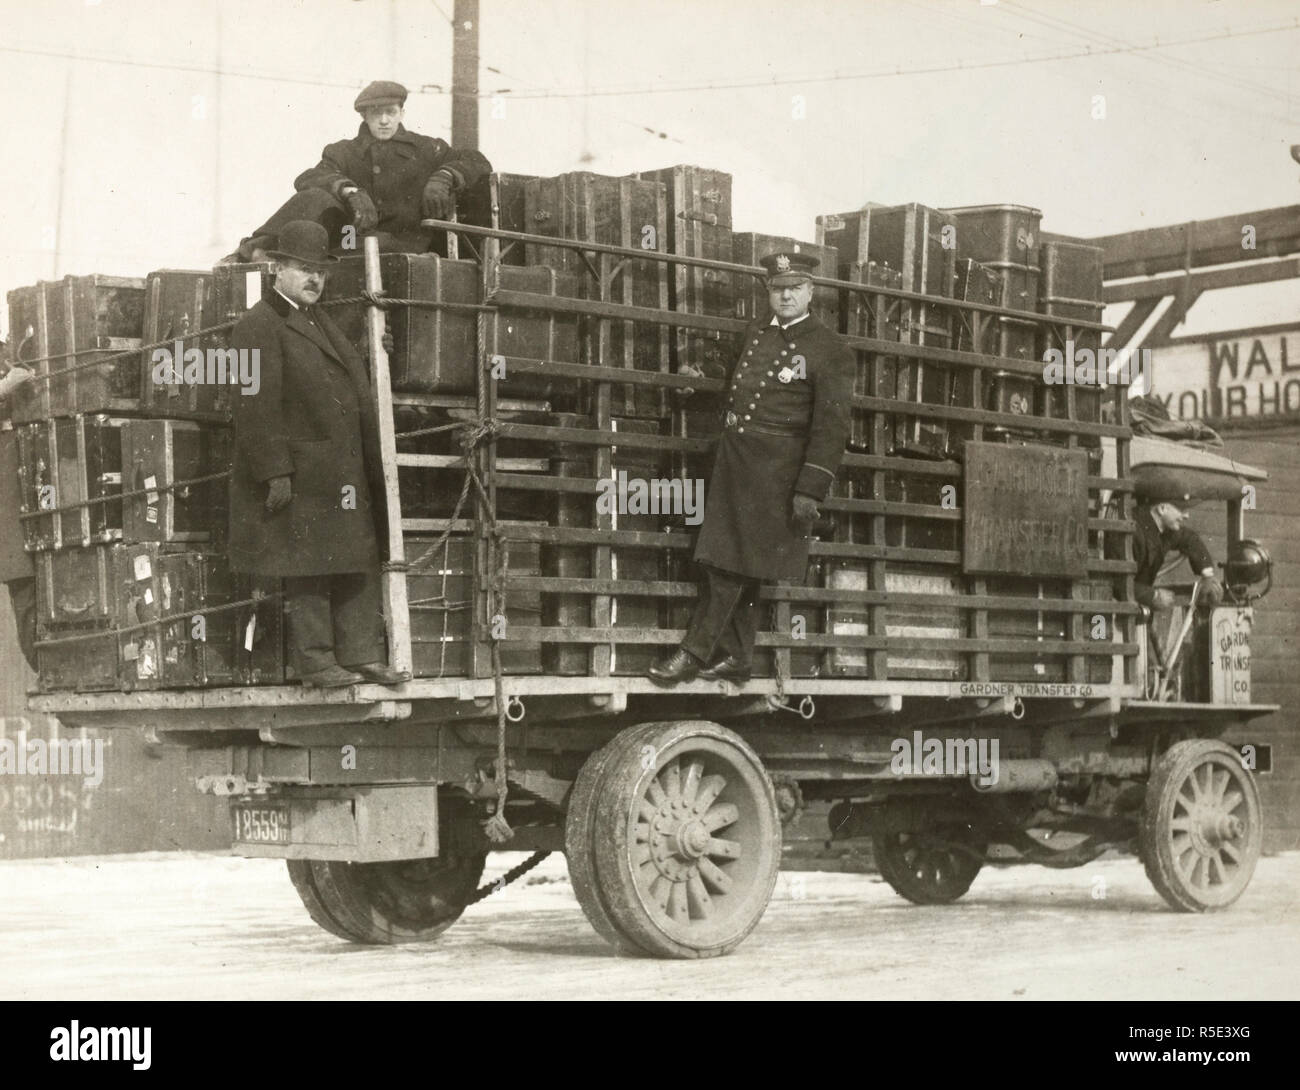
(784, 375)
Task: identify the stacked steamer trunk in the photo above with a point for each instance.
(630, 212)
(496, 201)
(909, 248)
(113, 446)
(626, 212)
(699, 225)
(1071, 291)
(1004, 239)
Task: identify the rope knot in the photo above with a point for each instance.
(376, 298)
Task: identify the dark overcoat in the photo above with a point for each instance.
(393, 172)
(312, 418)
(785, 422)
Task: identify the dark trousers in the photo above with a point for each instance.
(332, 214)
(22, 597)
(333, 619)
(725, 621)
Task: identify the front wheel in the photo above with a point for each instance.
(1202, 826)
(686, 839)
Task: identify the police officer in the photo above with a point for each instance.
(383, 180)
(786, 418)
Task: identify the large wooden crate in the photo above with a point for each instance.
(179, 303)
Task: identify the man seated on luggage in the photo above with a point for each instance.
(1160, 529)
(384, 181)
(306, 486)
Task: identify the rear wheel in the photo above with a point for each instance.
(927, 868)
(686, 839)
(1202, 826)
(405, 900)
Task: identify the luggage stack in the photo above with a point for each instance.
(126, 532)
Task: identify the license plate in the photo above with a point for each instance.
(261, 824)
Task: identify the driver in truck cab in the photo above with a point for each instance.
(1161, 528)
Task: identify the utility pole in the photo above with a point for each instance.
(464, 76)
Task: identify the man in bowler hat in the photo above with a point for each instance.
(384, 181)
(306, 487)
(785, 421)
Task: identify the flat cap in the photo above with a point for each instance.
(788, 268)
(382, 92)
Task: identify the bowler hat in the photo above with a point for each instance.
(785, 268)
(382, 92)
(305, 241)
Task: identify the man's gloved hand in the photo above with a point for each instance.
(805, 510)
(386, 340)
(1210, 591)
(364, 213)
(1162, 599)
(278, 493)
(438, 203)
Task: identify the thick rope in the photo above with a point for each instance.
(512, 875)
(118, 496)
(379, 299)
(116, 356)
(104, 633)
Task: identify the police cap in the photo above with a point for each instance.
(785, 268)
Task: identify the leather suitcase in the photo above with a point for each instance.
(434, 349)
(157, 453)
(627, 212)
(62, 463)
(440, 591)
(751, 292)
(239, 287)
(178, 302)
(1004, 237)
(907, 237)
(77, 320)
(232, 647)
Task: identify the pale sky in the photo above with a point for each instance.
(126, 152)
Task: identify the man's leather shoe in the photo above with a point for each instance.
(679, 666)
(729, 668)
(332, 677)
(381, 673)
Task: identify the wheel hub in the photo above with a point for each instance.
(1218, 827)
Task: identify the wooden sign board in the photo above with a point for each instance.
(1026, 511)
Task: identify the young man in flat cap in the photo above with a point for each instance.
(306, 487)
(785, 422)
(383, 180)
(1160, 528)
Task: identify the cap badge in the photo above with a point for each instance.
(782, 265)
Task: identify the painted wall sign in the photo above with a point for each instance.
(1243, 374)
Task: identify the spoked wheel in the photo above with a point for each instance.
(407, 900)
(685, 840)
(1202, 826)
(926, 867)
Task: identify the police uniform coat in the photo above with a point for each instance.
(313, 419)
(785, 422)
(393, 172)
